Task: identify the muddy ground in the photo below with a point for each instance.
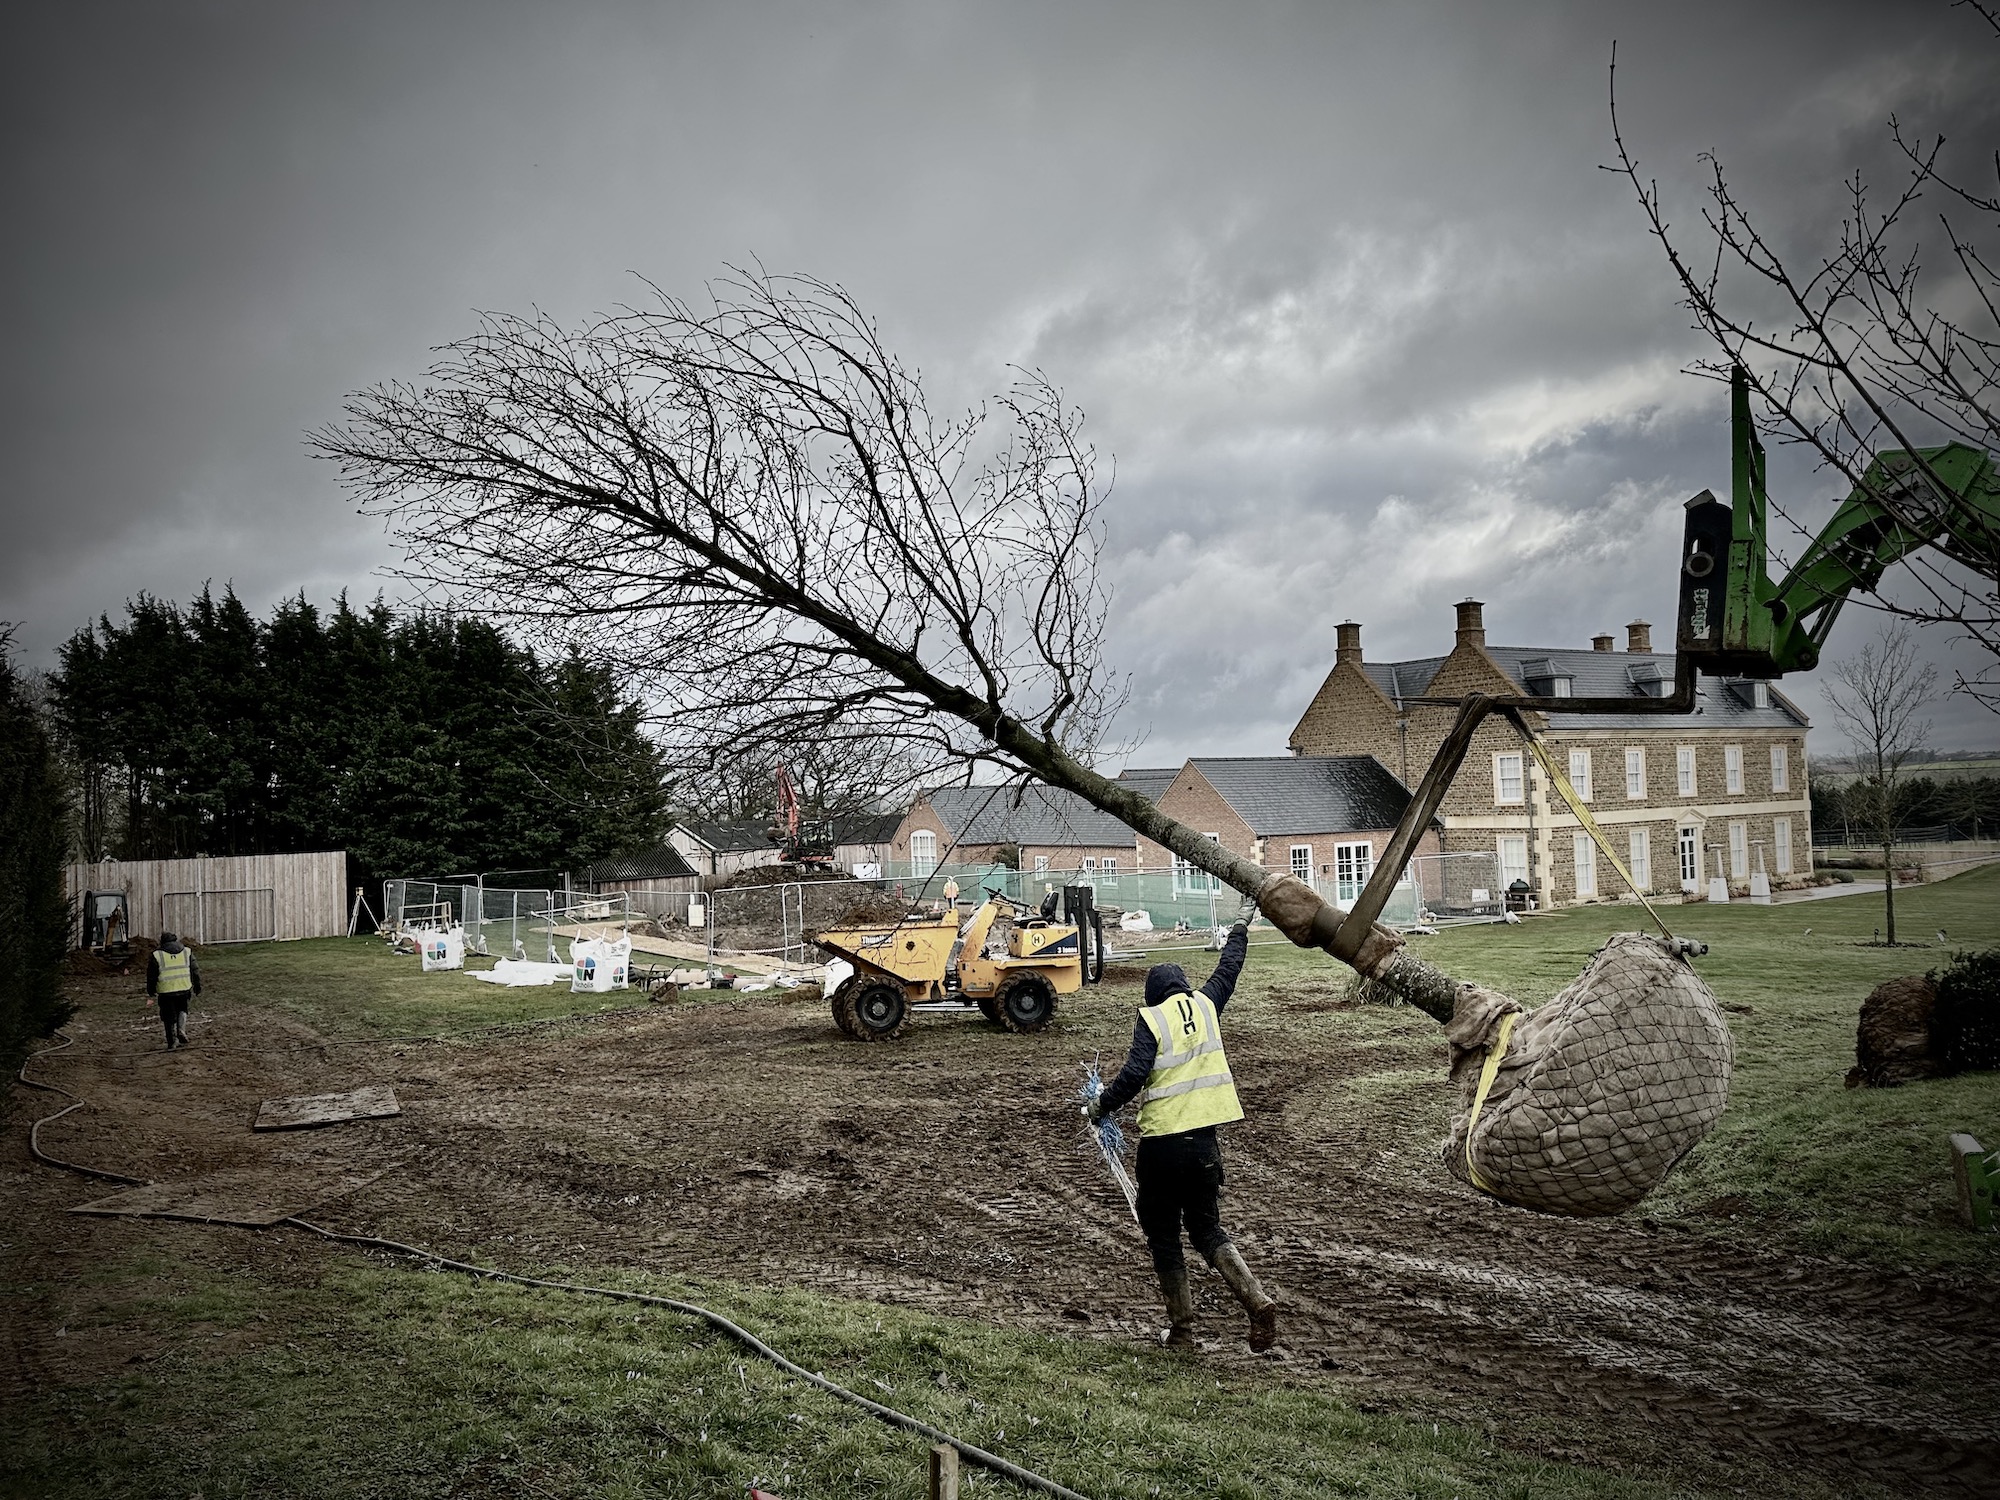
(748, 1140)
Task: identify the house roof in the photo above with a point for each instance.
(1719, 702)
(725, 838)
(865, 828)
(1149, 782)
(664, 863)
(1307, 793)
(1044, 815)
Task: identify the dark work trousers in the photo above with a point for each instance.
(1180, 1183)
(173, 1013)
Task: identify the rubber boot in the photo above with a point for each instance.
(1243, 1282)
(1180, 1308)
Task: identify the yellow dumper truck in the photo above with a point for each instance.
(1012, 970)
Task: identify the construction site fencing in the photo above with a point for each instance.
(1188, 901)
(1453, 888)
(507, 921)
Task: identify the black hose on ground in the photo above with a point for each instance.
(716, 1320)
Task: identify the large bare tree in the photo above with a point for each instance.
(1889, 339)
(750, 511)
(1877, 696)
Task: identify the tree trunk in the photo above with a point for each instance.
(1889, 890)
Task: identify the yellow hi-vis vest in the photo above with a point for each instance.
(174, 978)
(1190, 1085)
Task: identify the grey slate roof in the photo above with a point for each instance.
(1307, 793)
(988, 815)
(727, 838)
(865, 828)
(664, 863)
(1149, 782)
(1720, 702)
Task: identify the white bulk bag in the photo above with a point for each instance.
(442, 950)
(599, 964)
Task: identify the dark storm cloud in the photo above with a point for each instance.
(1341, 287)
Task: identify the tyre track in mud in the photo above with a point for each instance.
(748, 1142)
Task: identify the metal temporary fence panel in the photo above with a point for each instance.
(1459, 887)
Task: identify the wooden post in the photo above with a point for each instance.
(944, 1472)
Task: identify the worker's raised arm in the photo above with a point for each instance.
(1222, 983)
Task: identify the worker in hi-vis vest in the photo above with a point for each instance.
(1177, 1058)
(173, 979)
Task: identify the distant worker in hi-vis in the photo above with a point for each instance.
(174, 980)
(1177, 1059)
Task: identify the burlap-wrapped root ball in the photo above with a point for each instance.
(1600, 1092)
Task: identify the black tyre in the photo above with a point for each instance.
(1027, 1003)
(879, 1011)
(841, 998)
(989, 1007)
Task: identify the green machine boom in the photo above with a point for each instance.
(1946, 497)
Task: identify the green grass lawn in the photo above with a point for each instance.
(358, 987)
(384, 1380)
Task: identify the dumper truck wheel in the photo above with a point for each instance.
(841, 999)
(879, 1011)
(989, 1007)
(1026, 1003)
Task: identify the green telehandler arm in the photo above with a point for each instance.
(1947, 498)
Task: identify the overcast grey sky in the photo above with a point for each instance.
(1341, 287)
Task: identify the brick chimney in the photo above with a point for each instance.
(1347, 643)
(1471, 623)
(1639, 638)
(1603, 642)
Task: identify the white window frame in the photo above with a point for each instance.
(1781, 768)
(1781, 845)
(1732, 770)
(1302, 869)
(1502, 760)
(1108, 867)
(923, 852)
(1560, 687)
(1041, 864)
(1635, 773)
(1639, 858)
(1510, 871)
(1686, 783)
(1687, 847)
(1087, 866)
(1583, 864)
(1191, 877)
(1579, 774)
(1739, 850)
(1760, 695)
(1353, 864)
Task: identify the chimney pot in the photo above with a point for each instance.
(1603, 642)
(1471, 623)
(1347, 638)
(1639, 637)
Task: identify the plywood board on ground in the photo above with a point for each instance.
(254, 1198)
(376, 1101)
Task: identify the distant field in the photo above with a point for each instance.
(1837, 773)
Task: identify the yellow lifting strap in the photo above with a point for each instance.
(1487, 1073)
(1589, 823)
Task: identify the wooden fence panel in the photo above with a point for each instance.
(307, 894)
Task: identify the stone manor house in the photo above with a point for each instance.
(1682, 797)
